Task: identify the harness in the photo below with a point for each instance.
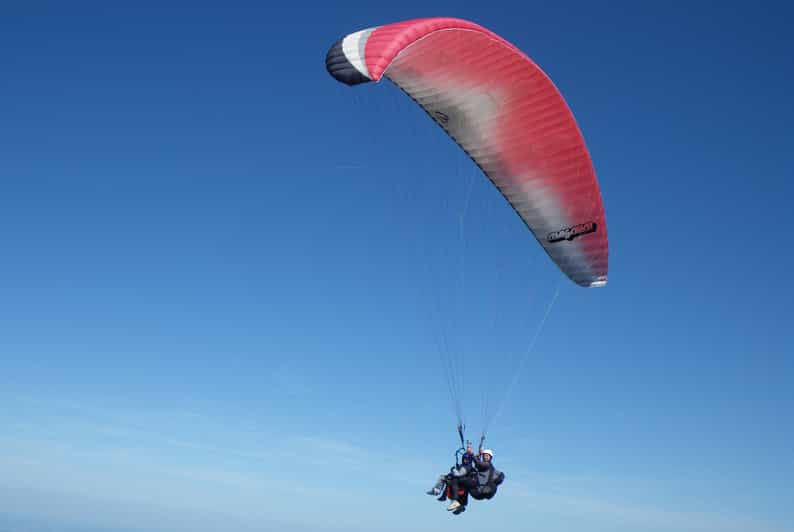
(488, 480)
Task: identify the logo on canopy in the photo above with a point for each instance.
(569, 233)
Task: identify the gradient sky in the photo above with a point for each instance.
(217, 263)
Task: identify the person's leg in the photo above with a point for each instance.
(454, 484)
(439, 487)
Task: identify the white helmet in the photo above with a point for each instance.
(488, 452)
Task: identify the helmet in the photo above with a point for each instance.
(488, 452)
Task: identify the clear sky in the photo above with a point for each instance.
(217, 267)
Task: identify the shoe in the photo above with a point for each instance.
(434, 492)
(459, 510)
(454, 505)
(443, 497)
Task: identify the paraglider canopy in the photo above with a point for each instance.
(508, 116)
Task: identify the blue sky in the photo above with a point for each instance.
(218, 264)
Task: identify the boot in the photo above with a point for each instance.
(438, 488)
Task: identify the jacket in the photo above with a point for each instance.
(488, 478)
